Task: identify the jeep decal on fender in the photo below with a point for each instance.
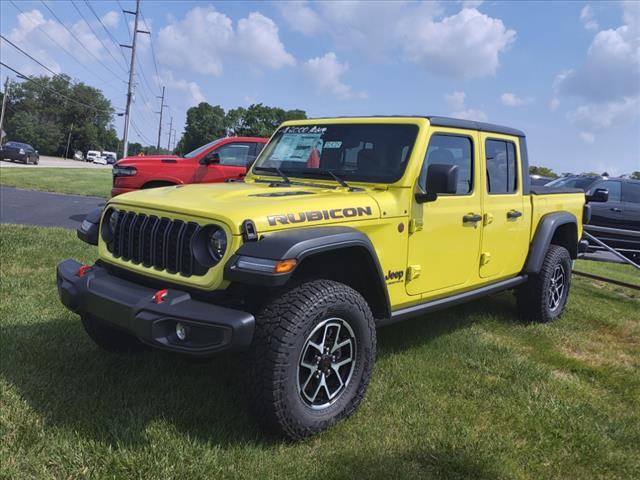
(317, 215)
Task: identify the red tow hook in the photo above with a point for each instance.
(83, 270)
(160, 296)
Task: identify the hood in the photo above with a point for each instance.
(270, 208)
(133, 161)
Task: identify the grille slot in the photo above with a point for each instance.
(161, 243)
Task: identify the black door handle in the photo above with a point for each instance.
(616, 209)
(514, 214)
(471, 218)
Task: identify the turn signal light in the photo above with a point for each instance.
(82, 270)
(284, 266)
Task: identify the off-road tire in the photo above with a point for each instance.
(533, 297)
(283, 327)
(109, 338)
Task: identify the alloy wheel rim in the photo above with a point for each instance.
(556, 288)
(326, 363)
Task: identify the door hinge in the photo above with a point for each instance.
(485, 258)
(415, 225)
(488, 218)
(413, 272)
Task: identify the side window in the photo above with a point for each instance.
(234, 154)
(502, 167)
(450, 150)
(612, 186)
(631, 192)
(259, 147)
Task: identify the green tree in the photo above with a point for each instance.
(542, 171)
(635, 175)
(46, 112)
(204, 124)
(260, 120)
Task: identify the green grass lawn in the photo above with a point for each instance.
(469, 392)
(79, 181)
(623, 272)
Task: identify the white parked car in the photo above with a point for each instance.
(92, 155)
(100, 160)
(110, 156)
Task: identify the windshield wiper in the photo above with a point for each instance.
(275, 170)
(340, 180)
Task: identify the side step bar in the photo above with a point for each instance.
(433, 305)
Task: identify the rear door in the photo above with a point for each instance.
(631, 205)
(506, 222)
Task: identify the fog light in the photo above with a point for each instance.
(181, 331)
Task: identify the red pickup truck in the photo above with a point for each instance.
(222, 159)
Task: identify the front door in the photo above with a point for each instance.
(444, 236)
(234, 158)
(505, 236)
(610, 213)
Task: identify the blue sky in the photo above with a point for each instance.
(568, 73)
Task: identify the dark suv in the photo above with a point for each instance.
(621, 211)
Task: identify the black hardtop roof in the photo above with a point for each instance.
(447, 122)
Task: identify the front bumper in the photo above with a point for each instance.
(15, 156)
(131, 307)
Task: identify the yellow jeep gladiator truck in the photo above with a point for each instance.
(343, 225)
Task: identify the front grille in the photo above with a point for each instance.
(152, 241)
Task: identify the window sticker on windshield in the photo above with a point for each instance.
(297, 147)
(332, 144)
(303, 130)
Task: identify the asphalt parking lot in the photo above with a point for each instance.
(45, 209)
(53, 162)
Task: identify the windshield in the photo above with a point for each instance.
(572, 182)
(201, 149)
(358, 152)
(16, 144)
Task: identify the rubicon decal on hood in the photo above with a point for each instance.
(317, 215)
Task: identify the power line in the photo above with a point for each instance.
(153, 51)
(55, 42)
(96, 36)
(73, 36)
(126, 21)
(140, 135)
(25, 53)
(29, 79)
(109, 34)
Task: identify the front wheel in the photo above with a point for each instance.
(543, 297)
(313, 355)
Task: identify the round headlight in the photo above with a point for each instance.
(109, 223)
(217, 244)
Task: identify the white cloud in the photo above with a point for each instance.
(472, 3)
(193, 93)
(326, 71)
(196, 42)
(608, 82)
(301, 17)
(258, 40)
(587, 137)
(456, 102)
(512, 100)
(554, 104)
(587, 18)
(111, 19)
(464, 45)
(205, 37)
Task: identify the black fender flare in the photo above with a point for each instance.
(89, 229)
(547, 227)
(299, 244)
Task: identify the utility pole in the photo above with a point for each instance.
(162, 105)
(169, 141)
(7, 86)
(127, 111)
(66, 152)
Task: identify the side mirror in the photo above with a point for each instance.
(211, 158)
(600, 195)
(441, 179)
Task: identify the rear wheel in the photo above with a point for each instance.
(313, 354)
(109, 338)
(544, 297)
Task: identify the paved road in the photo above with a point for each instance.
(54, 162)
(45, 209)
